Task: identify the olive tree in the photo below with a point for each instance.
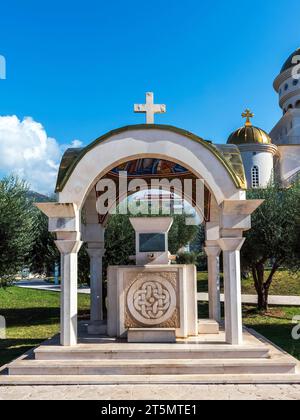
(17, 227)
(273, 240)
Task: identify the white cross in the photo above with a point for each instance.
(150, 109)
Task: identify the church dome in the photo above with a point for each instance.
(249, 134)
(290, 61)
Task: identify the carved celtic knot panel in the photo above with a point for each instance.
(151, 301)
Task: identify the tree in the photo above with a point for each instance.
(44, 253)
(119, 240)
(273, 240)
(181, 234)
(17, 226)
(84, 266)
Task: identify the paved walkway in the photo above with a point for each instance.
(251, 299)
(152, 392)
(42, 285)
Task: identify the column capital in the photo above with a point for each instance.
(236, 215)
(96, 252)
(231, 244)
(68, 246)
(212, 249)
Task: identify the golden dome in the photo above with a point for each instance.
(249, 134)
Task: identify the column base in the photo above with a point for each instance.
(97, 328)
(151, 335)
(208, 326)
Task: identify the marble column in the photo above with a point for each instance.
(213, 265)
(96, 255)
(232, 287)
(69, 285)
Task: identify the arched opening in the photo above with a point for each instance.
(155, 174)
(297, 104)
(171, 201)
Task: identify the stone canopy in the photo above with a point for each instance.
(159, 151)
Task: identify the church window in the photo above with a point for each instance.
(286, 86)
(255, 177)
(295, 82)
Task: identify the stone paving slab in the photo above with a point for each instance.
(152, 392)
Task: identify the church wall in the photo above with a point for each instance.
(289, 163)
(287, 131)
(264, 161)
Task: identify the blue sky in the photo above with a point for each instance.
(78, 67)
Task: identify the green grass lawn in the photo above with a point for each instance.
(284, 283)
(32, 316)
(276, 325)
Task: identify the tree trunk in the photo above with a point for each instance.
(263, 300)
(258, 271)
(262, 287)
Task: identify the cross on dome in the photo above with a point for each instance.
(150, 109)
(248, 114)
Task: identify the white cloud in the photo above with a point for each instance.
(26, 150)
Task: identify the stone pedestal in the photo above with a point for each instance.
(160, 296)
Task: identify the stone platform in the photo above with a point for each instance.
(203, 359)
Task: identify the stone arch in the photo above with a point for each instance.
(202, 158)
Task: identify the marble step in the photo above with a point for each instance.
(282, 365)
(131, 351)
(149, 379)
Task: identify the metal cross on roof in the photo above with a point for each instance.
(248, 114)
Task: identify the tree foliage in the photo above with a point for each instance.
(17, 226)
(119, 240)
(274, 237)
(181, 234)
(83, 266)
(44, 253)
